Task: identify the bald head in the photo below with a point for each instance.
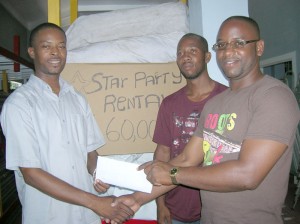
(251, 23)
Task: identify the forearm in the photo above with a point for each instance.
(225, 177)
(57, 188)
(161, 200)
(157, 191)
(245, 173)
(162, 153)
(192, 155)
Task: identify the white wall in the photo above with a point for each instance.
(206, 17)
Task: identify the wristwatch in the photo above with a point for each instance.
(173, 173)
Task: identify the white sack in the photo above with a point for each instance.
(147, 49)
(141, 21)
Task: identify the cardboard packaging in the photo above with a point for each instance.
(125, 99)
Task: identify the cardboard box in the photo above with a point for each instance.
(125, 99)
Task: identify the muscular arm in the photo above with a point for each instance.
(257, 158)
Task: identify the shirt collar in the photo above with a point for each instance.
(42, 85)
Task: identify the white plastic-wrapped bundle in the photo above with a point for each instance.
(145, 34)
(146, 49)
(142, 21)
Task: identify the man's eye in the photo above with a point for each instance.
(45, 46)
(239, 43)
(193, 51)
(221, 45)
(179, 54)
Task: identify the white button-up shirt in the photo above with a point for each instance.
(53, 133)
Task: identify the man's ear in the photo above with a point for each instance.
(30, 51)
(207, 57)
(260, 47)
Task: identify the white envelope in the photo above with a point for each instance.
(122, 174)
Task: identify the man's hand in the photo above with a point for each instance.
(117, 213)
(129, 200)
(158, 173)
(100, 186)
(163, 214)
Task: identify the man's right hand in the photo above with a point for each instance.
(118, 213)
(129, 200)
(163, 214)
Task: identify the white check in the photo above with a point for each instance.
(122, 174)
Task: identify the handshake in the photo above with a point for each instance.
(119, 209)
(116, 209)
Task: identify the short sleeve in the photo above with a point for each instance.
(21, 142)
(275, 115)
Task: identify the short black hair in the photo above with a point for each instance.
(202, 40)
(41, 27)
(249, 20)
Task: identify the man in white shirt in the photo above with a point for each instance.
(51, 141)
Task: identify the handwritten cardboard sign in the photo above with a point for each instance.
(125, 99)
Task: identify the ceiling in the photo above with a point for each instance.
(30, 13)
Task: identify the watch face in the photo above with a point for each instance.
(173, 171)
